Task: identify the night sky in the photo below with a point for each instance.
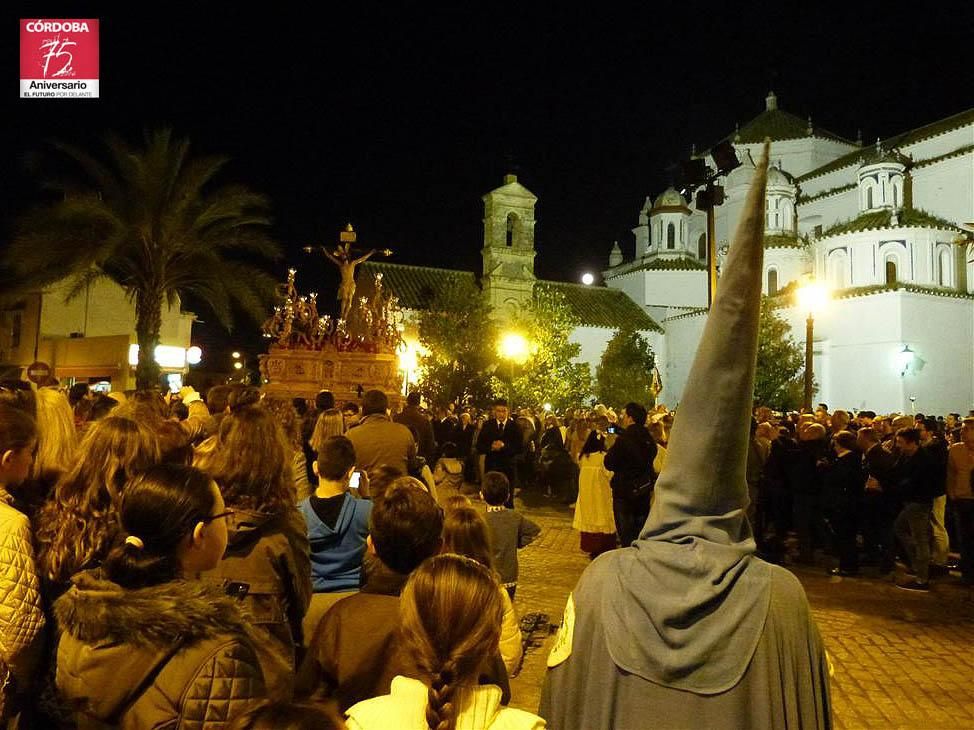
(399, 121)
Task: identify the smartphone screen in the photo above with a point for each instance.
(354, 480)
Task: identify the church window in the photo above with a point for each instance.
(890, 270)
(869, 198)
(772, 282)
(895, 200)
(670, 235)
(511, 229)
(838, 270)
(943, 268)
(702, 246)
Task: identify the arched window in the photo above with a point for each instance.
(659, 234)
(838, 270)
(891, 270)
(895, 197)
(670, 235)
(511, 229)
(943, 268)
(702, 246)
(772, 282)
(869, 198)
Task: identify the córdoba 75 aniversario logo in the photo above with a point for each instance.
(59, 58)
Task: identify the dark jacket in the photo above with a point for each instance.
(172, 655)
(915, 477)
(417, 422)
(630, 459)
(355, 651)
(268, 566)
(844, 484)
(503, 459)
(806, 462)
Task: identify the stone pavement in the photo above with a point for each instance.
(902, 661)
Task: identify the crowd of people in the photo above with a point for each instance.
(243, 562)
(235, 560)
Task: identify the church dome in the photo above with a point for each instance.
(670, 199)
(778, 177)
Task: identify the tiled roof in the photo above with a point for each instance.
(779, 125)
(594, 306)
(416, 286)
(599, 306)
(783, 240)
(682, 263)
(907, 218)
(897, 141)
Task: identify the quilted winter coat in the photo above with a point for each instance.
(21, 613)
(166, 656)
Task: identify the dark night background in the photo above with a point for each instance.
(400, 120)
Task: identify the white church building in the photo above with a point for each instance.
(878, 225)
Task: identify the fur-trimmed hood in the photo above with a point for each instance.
(117, 642)
(96, 610)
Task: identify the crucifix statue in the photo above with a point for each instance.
(342, 257)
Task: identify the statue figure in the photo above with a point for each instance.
(342, 258)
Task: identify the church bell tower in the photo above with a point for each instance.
(508, 252)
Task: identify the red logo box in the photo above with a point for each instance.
(59, 58)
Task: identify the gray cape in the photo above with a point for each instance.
(687, 623)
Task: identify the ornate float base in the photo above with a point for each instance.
(303, 373)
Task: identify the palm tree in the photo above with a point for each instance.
(154, 221)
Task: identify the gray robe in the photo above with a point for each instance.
(587, 691)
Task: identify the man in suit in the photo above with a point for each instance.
(500, 442)
(881, 503)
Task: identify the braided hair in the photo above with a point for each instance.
(451, 614)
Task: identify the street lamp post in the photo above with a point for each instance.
(513, 348)
(811, 298)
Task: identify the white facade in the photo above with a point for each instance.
(879, 225)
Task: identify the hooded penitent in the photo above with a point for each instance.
(690, 601)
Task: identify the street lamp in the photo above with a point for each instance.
(693, 174)
(812, 297)
(514, 348)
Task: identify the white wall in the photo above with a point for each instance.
(682, 338)
(946, 188)
(675, 288)
(104, 310)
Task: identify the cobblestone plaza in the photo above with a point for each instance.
(901, 660)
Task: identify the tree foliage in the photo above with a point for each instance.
(625, 372)
(779, 380)
(549, 375)
(154, 221)
(460, 338)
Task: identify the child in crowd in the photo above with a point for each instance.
(267, 563)
(142, 643)
(465, 532)
(509, 529)
(338, 523)
(448, 473)
(77, 526)
(353, 653)
(451, 617)
(21, 613)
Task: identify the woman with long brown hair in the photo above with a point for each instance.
(465, 532)
(77, 526)
(267, 563)
(450, 611)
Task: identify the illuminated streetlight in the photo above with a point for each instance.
(588, 278)
(514, 347)
(812, 297)
(194, 355)
(235, 355)
(237, 365)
